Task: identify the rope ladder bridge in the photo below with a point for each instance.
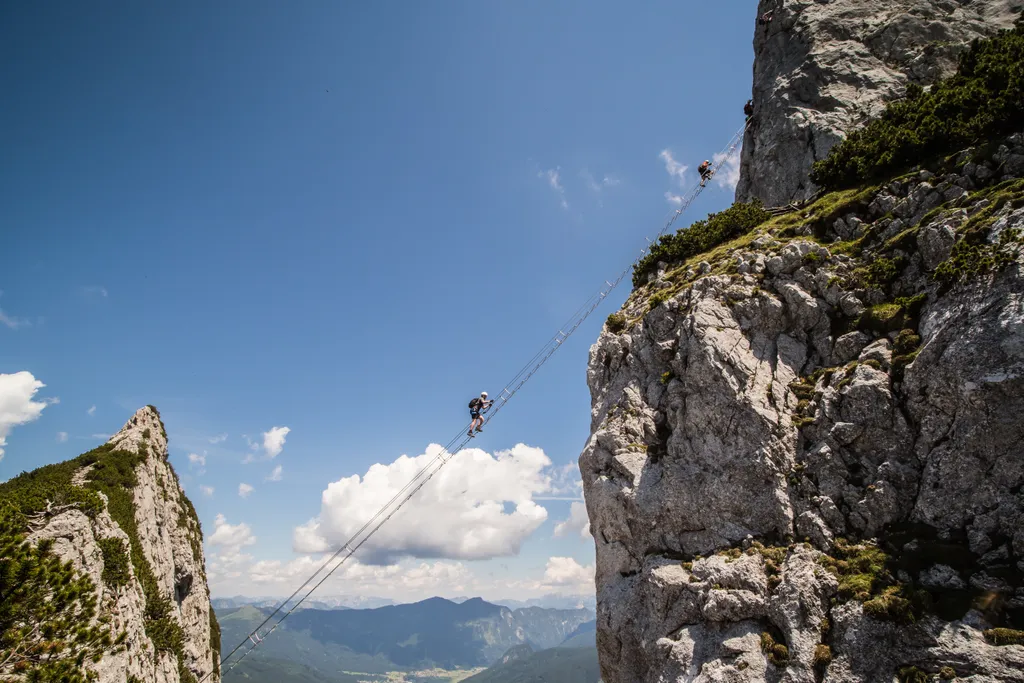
(456, 444)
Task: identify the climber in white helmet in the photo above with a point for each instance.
(705, 171)
(476, 407)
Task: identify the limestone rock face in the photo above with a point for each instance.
(823, 68)
(778, 408)
(170, 538)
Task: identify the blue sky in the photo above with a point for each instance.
(344, 220)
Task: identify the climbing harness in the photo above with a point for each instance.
(457, 444)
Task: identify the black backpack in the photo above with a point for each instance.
(475, 403)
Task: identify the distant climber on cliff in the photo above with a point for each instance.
(476, 407)
(748, 109)
(766, 18)
(705, 172)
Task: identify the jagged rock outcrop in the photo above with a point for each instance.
(823, 68)
(167, 532)
(806, 459)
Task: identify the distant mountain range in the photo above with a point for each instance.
(432, 633)
(370, 602)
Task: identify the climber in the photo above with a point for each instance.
(766, 18)
(477, 406)
(748, 109)
(705, 172)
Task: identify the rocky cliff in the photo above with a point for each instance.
(118, 516)
(806, 459)
(807, 451)
(822, 68)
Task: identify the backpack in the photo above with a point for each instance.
(475, 403)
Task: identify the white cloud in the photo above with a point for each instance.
(206, 490)
(673, 167)
(244, 490)
(553, 178)
(567, 572)
(273, 441)
(220, 438)
(12, 322)
(16, 404)
(194, 459)
(276, 474)
(91, 411)
(230, 536)
(479, 506)
(596, 185)
(577, 522)
(728, 176)
(674, 199)
(62, 437)
(104, 437)
(227, 561)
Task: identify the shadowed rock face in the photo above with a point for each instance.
(751, 406)
(823, 68)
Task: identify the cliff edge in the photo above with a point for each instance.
(806, 459)
(821, 69)
(115, 526)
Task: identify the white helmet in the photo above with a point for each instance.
(483, 394)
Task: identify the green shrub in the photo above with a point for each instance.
(115, 562)
(45, 611)
(906, 342)
(616, 323)
(215, 641)
(984, 99)
(1004, 636)
(660, 297)
(880, 272)
(666, 377)
(947, 673)
(911, 674)
(897, 315)
(822, 655)
(700, 237)
(972, 256)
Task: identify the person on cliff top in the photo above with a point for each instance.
(476, 407)
(705, 172)
(748, 109)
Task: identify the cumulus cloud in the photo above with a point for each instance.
(230, 536)
(554, 180)
(226, 542)
(276, 474)
(577, 522)
(62, 437)
(728, 175)
(194, 459)
(273, 441)
(567, 572)
(220, 438)
(91, 411)
(244, 490)
(479, 506)
(206, 490)
(17, 406)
